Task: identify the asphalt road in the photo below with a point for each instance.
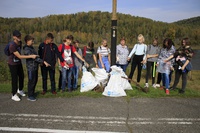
(86, 115)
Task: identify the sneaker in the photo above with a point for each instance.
(15, 98)
(154, 86)
(21, 92)
(43, 92)
(146, 85)
(54, 92)
(167, 91)
(31, 99)
(157, 85)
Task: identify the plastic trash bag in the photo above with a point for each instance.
(101, 76)
(125, 84)
(88, 81)
(114, 87)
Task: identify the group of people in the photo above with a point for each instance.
(70, 59)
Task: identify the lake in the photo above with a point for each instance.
(195, 60)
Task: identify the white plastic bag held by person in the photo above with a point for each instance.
(88, 81)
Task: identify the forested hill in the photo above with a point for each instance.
(193, 22)
(95, 25)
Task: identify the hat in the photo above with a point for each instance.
(16, 33)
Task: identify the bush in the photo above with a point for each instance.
(4, 71)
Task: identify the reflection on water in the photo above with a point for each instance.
(195, 60)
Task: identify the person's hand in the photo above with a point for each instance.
(144, 62)
(86, 64)
(46, 64)
(166, 60)
(172, 68)
(182, 68)
(34, 56)
(128, 59)
(97, 66)
(66, 64)
(103, 66)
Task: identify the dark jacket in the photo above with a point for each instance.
(31, 64)
(49, 53)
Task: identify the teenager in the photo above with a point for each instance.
(48, 51)
(15, 66)
(122, 54)
(153, 51)
(104, 56)
(139, 51)
(165, 67)
(67, 50)
(183, 56)
(32, 66)
(90, 56)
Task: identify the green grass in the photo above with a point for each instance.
(192, 89)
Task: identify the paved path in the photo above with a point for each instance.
(86, 115)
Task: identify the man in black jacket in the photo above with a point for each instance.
(48, 51)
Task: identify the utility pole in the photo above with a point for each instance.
(113, 32)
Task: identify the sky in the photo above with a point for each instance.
(158, 10)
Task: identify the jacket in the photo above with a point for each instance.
(31, 64)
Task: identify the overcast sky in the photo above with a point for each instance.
(159, 10)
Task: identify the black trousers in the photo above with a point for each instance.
(32, 81)
(137, 59)
(17, 75)
(151, 67)
(178, 74)
(60, 80)
(45, 71)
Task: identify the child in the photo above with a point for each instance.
(32, 66)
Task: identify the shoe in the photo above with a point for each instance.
(154, 86)
(181, 92)
(167, 91)
(31, 99)
(157, 85)
(43, 92)
(171, 88)
(21, 92)
(16, 98)
(54, 92)
(146, 85)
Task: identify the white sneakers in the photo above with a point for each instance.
(16, 98)
(21, 93)
(146, 85)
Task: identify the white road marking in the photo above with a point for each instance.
(14, 129)
(108, 121)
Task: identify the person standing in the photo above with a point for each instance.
(67, 50)
(139, 51)
(48, 51)
(77, 63)
(122, 54)
(104, 56)
(32, 66)
(153, 51)
(183, 56)
(89, 55)
(165, 67)
(15, 66)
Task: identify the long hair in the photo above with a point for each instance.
(169, 43)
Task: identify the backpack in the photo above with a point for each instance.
(6, 49)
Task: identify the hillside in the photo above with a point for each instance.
(193, 22)
(95, 25)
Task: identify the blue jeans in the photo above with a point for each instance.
(105, 62)
(165, 80)
(123, 66)
(76, 72)
(67, 75)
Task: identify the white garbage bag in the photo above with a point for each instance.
(114, 87)
(125, 84)
(101, 76)
(88, 81)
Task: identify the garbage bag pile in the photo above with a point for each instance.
(113, 83)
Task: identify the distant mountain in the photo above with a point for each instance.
(194, 22)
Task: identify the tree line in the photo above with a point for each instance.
(95, 25)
